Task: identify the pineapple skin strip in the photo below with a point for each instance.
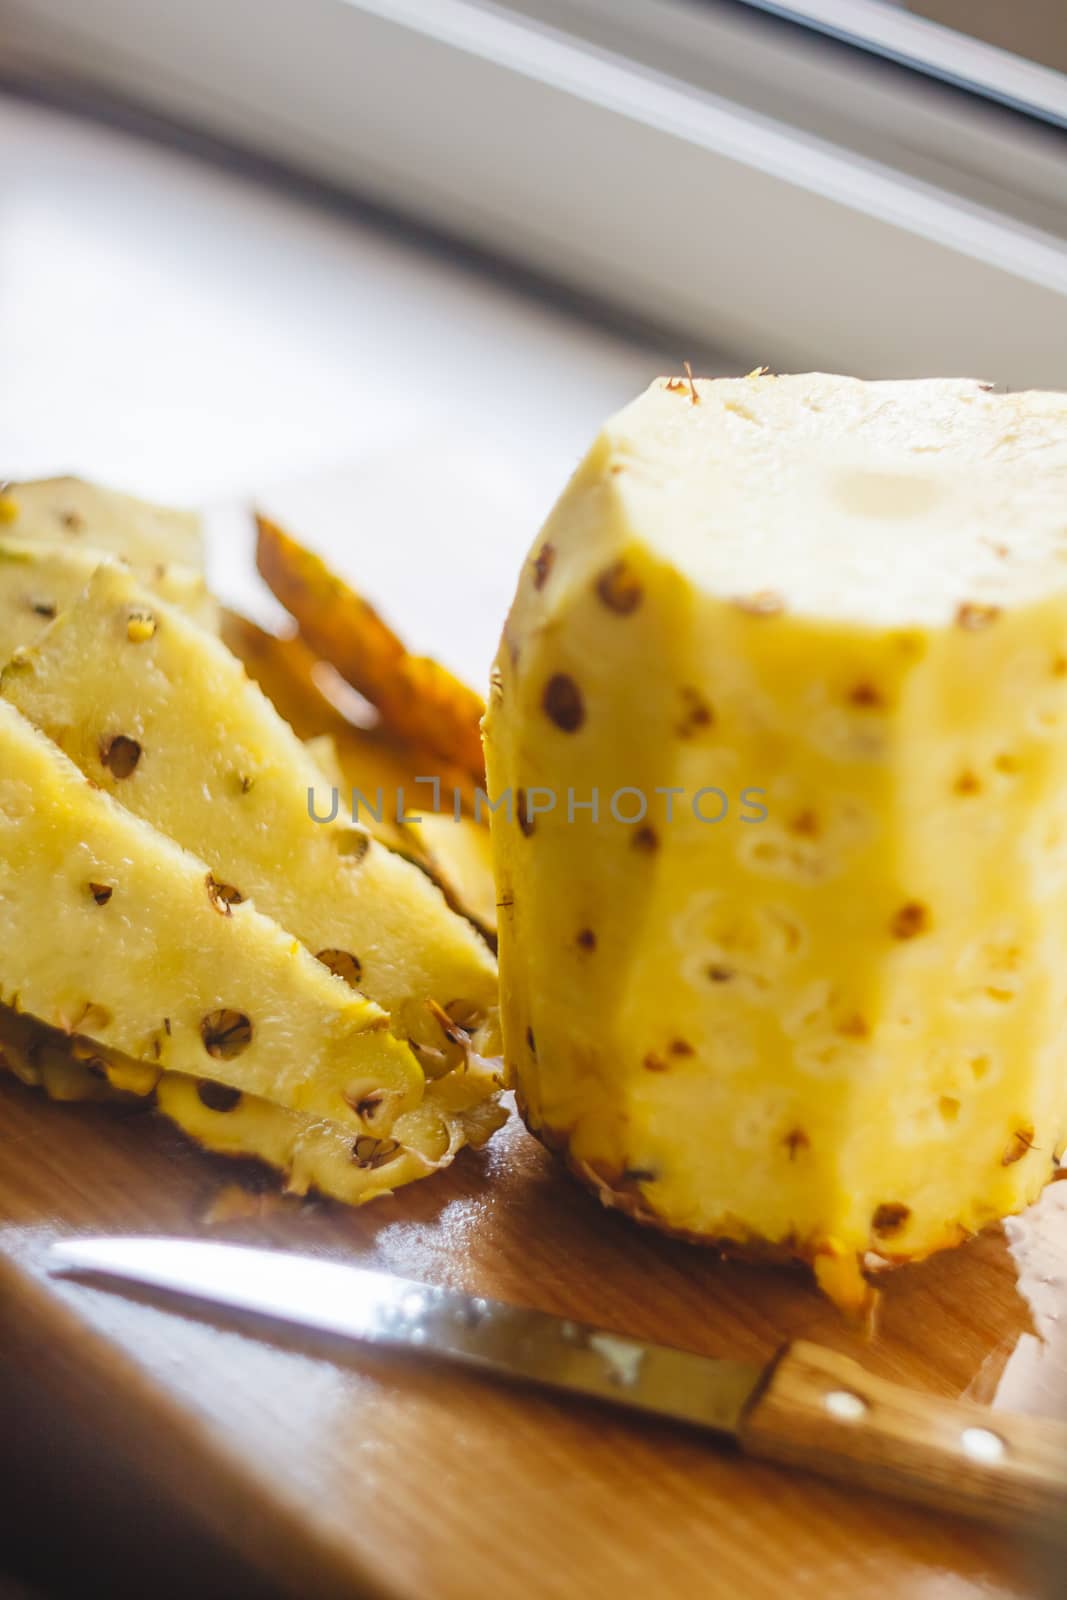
(156, 963)
(285, 669)
(418, 699)
(219, 771)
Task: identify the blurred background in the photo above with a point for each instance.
(288, 247)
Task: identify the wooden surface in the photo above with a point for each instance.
(391, 1478)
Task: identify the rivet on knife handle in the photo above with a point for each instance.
(821, 1411)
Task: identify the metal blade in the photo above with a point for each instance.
(375, 1308)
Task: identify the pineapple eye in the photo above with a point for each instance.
(563, 703)
(225, 1033)
(526, 822)
(91, 1016)
(343, 965)
(352, 844)
(618, 589)
(217, 1096)
(222, 895)
(120, 755)
(696, 713)
(543, 564)
(370, 1152)
(369, 1105)
(101, 893)
(889, 1219)
(1020, 1144)
(974, 617)
(140, 626)
(910, 921)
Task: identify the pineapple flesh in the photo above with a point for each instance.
(39, 579)
(311, 1153)
(109, 929)
(204, 757)
(809, 1004)
(75, 513)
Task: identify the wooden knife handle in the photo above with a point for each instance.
(822, 1411)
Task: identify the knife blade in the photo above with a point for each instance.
(809, 1407)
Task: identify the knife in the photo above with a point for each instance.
(809, 1407)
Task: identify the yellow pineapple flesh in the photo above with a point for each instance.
(39, 579)
(109, 929)
(203, 756)
(78, 514)
(811, 1002)
(311, 1153)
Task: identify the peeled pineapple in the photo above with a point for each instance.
(798, 988)
(166, 719)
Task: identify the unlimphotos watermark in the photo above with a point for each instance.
(629, 804)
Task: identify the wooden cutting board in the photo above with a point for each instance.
(390, 1478)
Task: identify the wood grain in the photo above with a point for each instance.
(824, 1411)
(390, 1478)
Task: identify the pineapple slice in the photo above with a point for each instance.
(109, 929)
(459, 1109)
(165, 718)
(44, 1058)
(418, 699)
(808, 637)
(72, 512)
(40, 578)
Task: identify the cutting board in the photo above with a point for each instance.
(386, 1477)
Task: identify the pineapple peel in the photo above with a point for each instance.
(418, 699)
(827, 1026)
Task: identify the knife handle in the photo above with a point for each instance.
(819, 1410)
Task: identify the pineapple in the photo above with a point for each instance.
(44, 1058)
(449, 843)
(808, 637)
(75, 513)
(418, 699)
(40, 578)
(109, 929)
(165, 718)
(458, 1109)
